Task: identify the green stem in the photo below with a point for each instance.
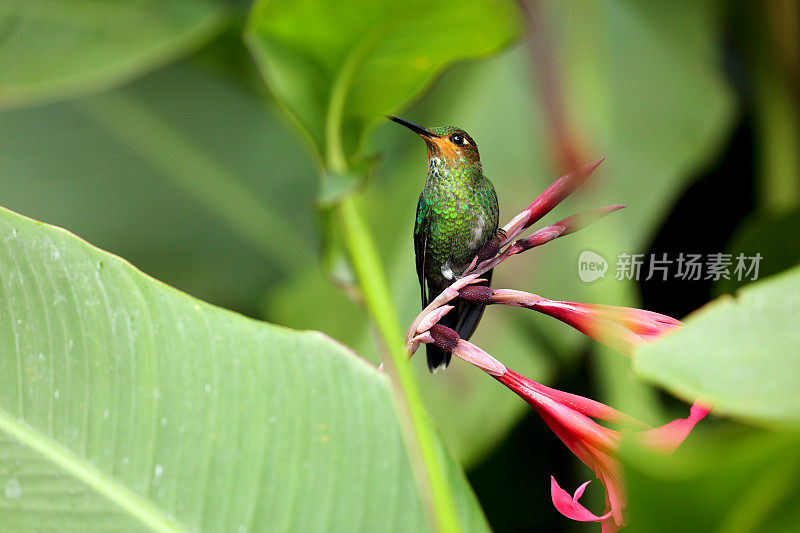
(375, 289)
(428, 464)
(779, 148)
(777, 114)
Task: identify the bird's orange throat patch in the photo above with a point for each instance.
(442, 148)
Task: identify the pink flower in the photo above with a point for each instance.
(548, 199)
(620, 328)
(570, 417)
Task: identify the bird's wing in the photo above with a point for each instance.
(437, 358)
(420, 243)
(468, 315)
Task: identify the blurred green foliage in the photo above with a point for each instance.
(192, 172)
(161, 187)
(53, 50)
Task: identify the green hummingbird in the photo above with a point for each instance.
(457, 214)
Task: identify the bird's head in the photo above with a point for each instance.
(450, 144)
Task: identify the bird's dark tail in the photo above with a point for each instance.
(463, 319)
(438, 358)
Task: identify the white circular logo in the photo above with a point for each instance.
(591, 266)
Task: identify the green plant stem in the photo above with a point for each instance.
(370, 274)
(777, 114)
(778, 147)
(375, 289)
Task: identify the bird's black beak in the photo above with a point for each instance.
(416, 128)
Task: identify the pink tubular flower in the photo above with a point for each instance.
(570, 417)
(620, 328)
(561, 228)
(548, 199)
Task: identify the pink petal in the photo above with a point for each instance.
(578, 491)
(413, 344)
(610, 475)
(557, 191)
(547, 200)
(583, 405)
(515, 298)
(569, 506)
(575, 425)
(563, 227)
(620, 328)
(538, 238)
(474, 355)
(433, 318)
(668, 437)
(425, 337)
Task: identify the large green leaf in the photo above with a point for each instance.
(741, 355)
(337, 67)
(54, 49)
(127, 405)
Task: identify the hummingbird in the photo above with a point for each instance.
(457, 213)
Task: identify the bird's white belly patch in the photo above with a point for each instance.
(447, 271)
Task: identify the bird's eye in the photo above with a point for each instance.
(457, 139)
